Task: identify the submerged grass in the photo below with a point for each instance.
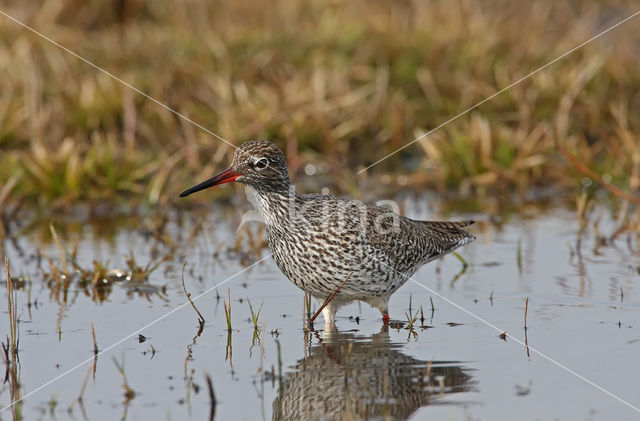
(80, 399)
(339, 85)
(129, 393)
(212, 397)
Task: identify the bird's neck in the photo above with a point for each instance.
(274, 207)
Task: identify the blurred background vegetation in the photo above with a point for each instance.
(336, 84)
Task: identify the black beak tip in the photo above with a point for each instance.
(225, 176)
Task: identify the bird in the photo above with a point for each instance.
(318, 241)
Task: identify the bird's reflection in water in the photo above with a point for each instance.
(346, 376)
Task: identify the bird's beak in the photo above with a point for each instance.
(226, 176)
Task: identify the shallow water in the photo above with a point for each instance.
(451, 365)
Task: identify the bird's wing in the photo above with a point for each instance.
(411, 242)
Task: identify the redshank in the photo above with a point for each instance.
(318, 240)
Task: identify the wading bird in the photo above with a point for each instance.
(320, 240)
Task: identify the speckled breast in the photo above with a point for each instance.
(318, 262)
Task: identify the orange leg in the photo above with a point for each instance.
(385, 318)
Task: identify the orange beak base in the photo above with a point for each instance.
(226, 176)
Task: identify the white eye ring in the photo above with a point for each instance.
(261, 163)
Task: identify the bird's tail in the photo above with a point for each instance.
(452, 231)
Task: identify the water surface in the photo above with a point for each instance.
(582, 313)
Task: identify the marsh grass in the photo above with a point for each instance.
(411, 319)
(227, 310)
(338, 85)
(188, 294)
(62, 253)
(519, 256)
(526, 310)
(227, 315)
(140, 274)
(255, 316)
(11, 348)
(95, 342)
(98, 279)
(306, 304)
(13, 342)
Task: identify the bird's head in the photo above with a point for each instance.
(258, 164)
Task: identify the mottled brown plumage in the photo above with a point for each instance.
(318, 240)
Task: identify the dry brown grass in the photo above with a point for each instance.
(339, 84)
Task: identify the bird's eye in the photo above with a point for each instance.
(262, 163)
